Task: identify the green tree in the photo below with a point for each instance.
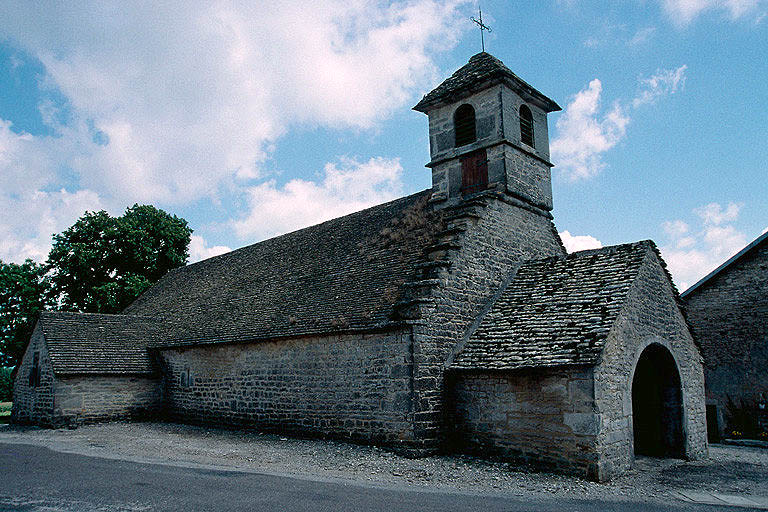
(102, 263)
(6, 384)
(25, 290)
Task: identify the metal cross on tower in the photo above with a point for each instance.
(483, 26)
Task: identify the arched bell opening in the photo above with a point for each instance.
(657, 405)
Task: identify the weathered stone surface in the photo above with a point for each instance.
(525, 416)
(650, 316)
(355, 387)
(728, 315)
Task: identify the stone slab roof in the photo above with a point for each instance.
(483, 70)
(345, 274)
(555, 311)
(86, 343)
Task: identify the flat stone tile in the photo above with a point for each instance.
(732, 499)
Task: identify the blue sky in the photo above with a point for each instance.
(252, 120)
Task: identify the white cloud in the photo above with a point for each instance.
(663, 83)
(345, 188)
(642, 36)
(574, 243)
(189, 95)
(691, 256)
(199, 250)
(583, 134)
(713, 213)
(682, 12)
(28, 220)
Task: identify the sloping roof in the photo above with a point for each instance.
(86, 343)
(342, 275)
(733, 259)
(555, 311)
(482, 71)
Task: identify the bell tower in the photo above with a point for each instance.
(488, 132)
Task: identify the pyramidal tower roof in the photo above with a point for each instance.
(482, 71)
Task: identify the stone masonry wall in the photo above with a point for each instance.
(34, 404)
(495, 238)
(728, 316)
(651, 315)
(355, 387)
(520, 169)
(546, 417)
(91, 398)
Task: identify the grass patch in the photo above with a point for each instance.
(5, 412)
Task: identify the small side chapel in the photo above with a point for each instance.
(448, 320)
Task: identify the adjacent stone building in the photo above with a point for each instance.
(449, 319)
(728, 314)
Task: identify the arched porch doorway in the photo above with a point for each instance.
(657, 404)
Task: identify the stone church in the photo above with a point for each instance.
(452, 319)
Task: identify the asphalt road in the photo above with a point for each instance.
(38, 479)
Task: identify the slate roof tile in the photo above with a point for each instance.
(482, 71)
(555, 311)
(345, 274)
(87, 343)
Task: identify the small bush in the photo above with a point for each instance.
(6, 385)
(743, 419)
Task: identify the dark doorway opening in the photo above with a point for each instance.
(657, 404)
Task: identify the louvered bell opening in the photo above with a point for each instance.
(526, 126)
(464, 125)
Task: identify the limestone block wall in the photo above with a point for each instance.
(355, 387)
(488, 123)
(500, 236)
(511, 103)
(90, 398)
(545, 417)
(728, 315)
(650, 315)
(34, 404)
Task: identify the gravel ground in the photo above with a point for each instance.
(730, 469)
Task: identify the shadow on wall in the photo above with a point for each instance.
(657, 405)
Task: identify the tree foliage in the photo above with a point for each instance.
(25, 290)
(6, 384)
(102, 263)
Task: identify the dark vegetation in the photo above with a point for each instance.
(6, 384)
(743, 420)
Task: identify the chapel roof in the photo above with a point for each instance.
(482, 71)
(555, 311)
(345, 274)
(88, 343)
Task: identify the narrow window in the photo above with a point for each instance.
(34, 373)
(464, 125)
(474, 172)
(526, 126)
(186, 378)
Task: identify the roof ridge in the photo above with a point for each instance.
(727, 263)
(306, 228)
(92, 314)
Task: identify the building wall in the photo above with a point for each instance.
(512, 166)
(651, 315)
(545, 417)
(494, 241)
(91, 398)
(355, 387)
(34, 404)
(728, 316)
